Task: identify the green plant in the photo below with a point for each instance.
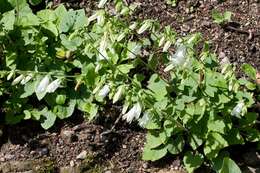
(172, 2)
(59, 60)
(220, 18)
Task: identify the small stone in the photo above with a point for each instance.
(2, 159)
(108, 172)
(31, 171)
(9, 157)
(44, 151)
(72, 164)
(124, 146)
(145, 165)
(67, 135)
(82, 155)
(32, 152)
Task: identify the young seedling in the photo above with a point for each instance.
(221, 18)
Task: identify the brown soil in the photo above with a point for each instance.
(239, 40)
(117, 151)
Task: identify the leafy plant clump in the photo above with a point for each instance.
(56, 61)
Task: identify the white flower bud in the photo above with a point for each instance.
(43, 84)
(10, 75)
(26, 79)
(144, 120)
(161, 41)
(166, 46)
(93, 17)
(102, 48)
(238, 109)
(121, 36)
(133, 26)
(133, 113)
(118, 94)
(53, 86)
(18, 79)
(144, 27)
(104, 91)
(102, 3)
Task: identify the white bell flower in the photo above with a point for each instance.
(133, 113)
(53, 86)
(93, 17)
(161, 42)
(43, 84)
(144, 27)
(166, 46)
(144, 120)
(104, 91)
(238, 109)
(26, 79)
(102, 3)
(18, 79)
(118, 94)
(179, 58)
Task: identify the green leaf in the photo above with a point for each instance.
(227, 15)
(51, 27)
(8, 20)
(29, 89)
(223, 164)
(125, 68)
(192, 161)
(216, 124)
(89, 71)
(155, 139)
(176, 145)
(158, 87)
(60, 99)
(215, 142)
(249, 70)
(154, 154)
(91, 109)
(49, 120)
(135, 49)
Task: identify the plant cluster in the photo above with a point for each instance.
(56, 61)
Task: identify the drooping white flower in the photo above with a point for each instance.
(100, 19)
(10, 75)
(93, 17)
(238, 109)
(53, 86)
(133, 26)
(144, 27)
(121, 36)
(133, 113)
(102, 3)
(166, 46)
(102, 48)
(104, 91)
(161, 41)
(43, 84)
(18, 79)
(179, 58)
(26, 79)
(144, 120)
(118, 94)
